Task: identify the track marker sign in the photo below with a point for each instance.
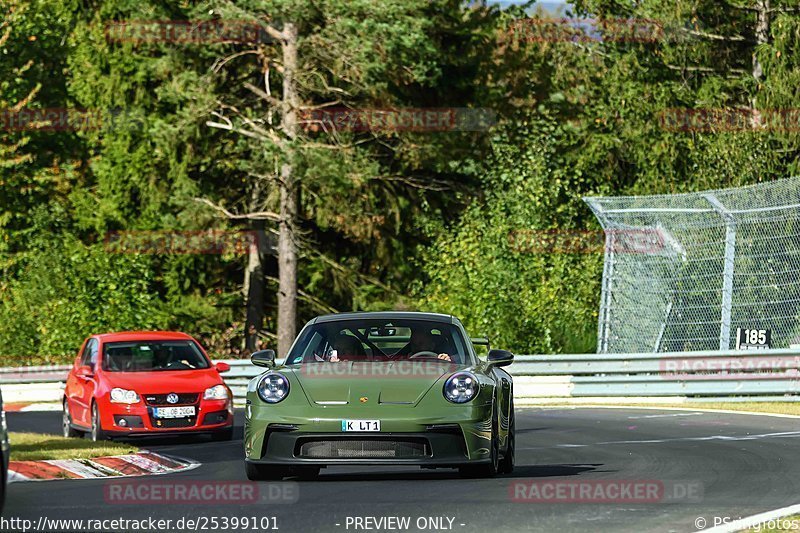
(753, 339)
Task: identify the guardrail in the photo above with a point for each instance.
(772, 375)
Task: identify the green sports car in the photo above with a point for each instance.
(388, 388)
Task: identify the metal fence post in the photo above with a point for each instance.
(605, 295)
(727, 272)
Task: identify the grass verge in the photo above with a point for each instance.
(782, 408)
(777, 525)
(37, 446)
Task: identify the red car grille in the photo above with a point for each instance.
(161, 399)
(166, 423)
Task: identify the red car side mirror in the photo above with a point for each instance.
(84, 371)
(222, 367)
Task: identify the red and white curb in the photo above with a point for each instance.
(139, 464)
(26, 407)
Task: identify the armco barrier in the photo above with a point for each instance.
(772, 375)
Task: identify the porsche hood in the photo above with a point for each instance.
(395, 382)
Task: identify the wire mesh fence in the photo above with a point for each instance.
(682, 272)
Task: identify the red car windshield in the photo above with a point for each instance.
(147, 356)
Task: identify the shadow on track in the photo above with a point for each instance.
(520, 471)
(178, 440)
(532, 471)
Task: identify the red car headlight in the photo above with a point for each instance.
(124, 396)
(217, 392)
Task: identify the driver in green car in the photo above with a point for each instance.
(422, 341)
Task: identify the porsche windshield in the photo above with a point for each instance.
(380, 340)
(144, 356)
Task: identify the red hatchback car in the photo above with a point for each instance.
(146, 383)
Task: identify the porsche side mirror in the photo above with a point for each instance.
(500, 357)
(482, 347)
(265, 358)
(480, 341)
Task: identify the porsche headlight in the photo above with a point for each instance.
(217, 392)
(273, 387)
(461, 387)
(124, 396)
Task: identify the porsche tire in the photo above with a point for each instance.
(486, 469)
(307, 473)
(506, 465)
(256, 472)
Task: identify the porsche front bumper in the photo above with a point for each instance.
(449, 437)
(434, 449)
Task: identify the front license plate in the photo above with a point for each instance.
(173, 412)
(361, 425)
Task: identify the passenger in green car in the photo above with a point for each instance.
(346, 348)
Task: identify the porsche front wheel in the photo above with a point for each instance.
(506, 465)
(491, 468)
(256, 472)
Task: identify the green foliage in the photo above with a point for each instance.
(498, 286)
(589, 122)
(388, 219)
(69, 290)
(154, 153)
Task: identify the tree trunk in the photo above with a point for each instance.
(762, 37)
(287, 243)
(762, 34)
(254, 288)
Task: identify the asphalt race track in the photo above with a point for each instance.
(742, 465)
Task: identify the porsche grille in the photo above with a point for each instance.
(364, 449)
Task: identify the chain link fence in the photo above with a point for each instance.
(682, 272)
